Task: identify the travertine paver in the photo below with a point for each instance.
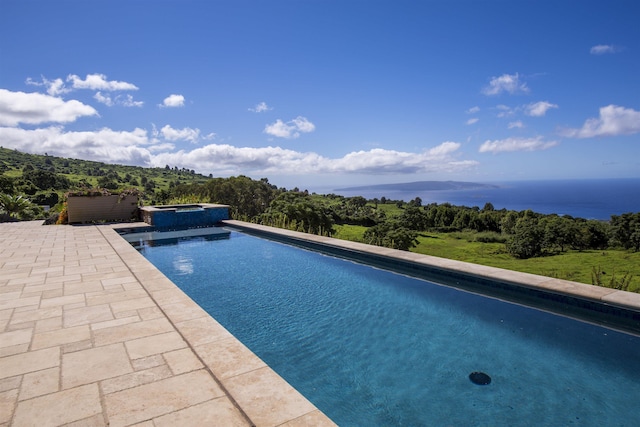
(59, 408)
(91, 334)
(161, 397)
(94, 364)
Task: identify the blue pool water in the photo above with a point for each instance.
(374, 348)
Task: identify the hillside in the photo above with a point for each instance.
(38, 176)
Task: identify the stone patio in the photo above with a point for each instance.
(91, 334)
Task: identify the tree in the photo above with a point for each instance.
(7, 185)
(391, 235)
(559, 232)
(417, 202)
(625, 230)
(526, 241)
(300, 212)
(413, 218)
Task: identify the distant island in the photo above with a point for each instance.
(421, 186)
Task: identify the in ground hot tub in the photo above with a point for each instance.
(184, 216)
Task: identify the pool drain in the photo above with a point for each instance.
(479, 378)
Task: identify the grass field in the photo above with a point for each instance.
(572, 265)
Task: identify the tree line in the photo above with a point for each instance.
(526, 234)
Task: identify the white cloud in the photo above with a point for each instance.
(473, 110)
(103, 99)
(123, 100)
(260, 108)
(127, 101)
(98, 82)
(173, 101)
(602, 49)
(538, 109)
(516, 144)
(444, 149)
(185, 134)
(509, 83)
(54, 87)
(36, 108)
(505, 111)
(515, 125)
(614, 120)
(472, 121)
(291, 129)
(104, 145)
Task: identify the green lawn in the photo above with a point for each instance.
(572, 265)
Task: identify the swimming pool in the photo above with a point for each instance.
(370, 347)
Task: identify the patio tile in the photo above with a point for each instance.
(228, 358)
(267, 399)
(39, 383)
(135, 379)
(60, 336)
(115, 322)
(63, 300)
(95, 364)
(20, 302)
(182, 361)
(150, 313)
(14, 349)
(76, 346)
(160, 398)
(7, 403)
(312, 419)
(20, 336)
(29, 362)
(82, 287)
(217, 412)
(132, 304)
(131, 331)
(59, 408)
(50, 324)
(148, 362)
(182, 310)
(154, 344)
(10, 383)
(28, 316)
(87, 315)
(104, 297)
(203, 330)
(95, 421)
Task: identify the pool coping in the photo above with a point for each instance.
(608, 307)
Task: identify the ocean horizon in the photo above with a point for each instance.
(583, 198)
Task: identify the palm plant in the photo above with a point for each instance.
(14, 205)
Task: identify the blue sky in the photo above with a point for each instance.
(321, 93)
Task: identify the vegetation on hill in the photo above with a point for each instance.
(590, 251)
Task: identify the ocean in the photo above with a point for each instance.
(587, 198)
